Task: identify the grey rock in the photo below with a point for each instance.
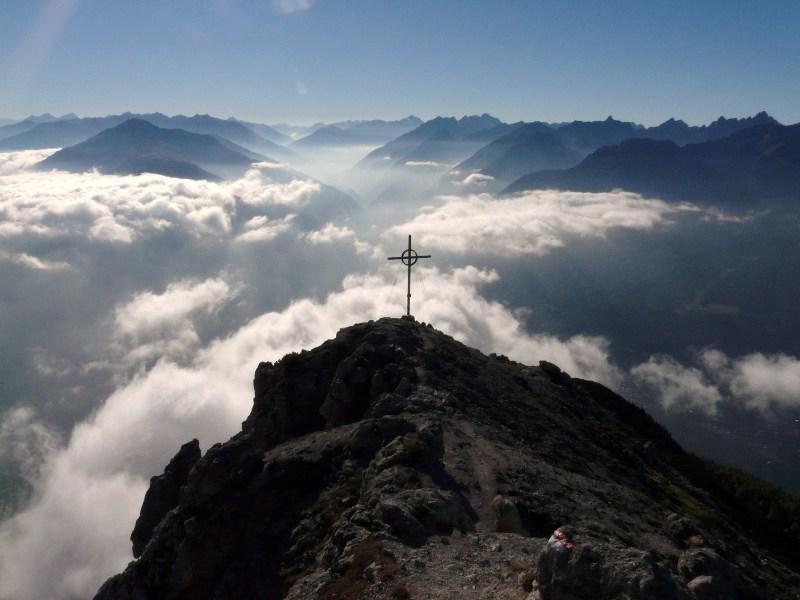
(361, 456)
(163, 494)
(507, 515)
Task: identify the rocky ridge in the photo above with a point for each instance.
(395, 462)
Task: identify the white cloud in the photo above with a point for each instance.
(150, 313)
(758, 381)
(162, 325)
(270, 165)
(27, 441)
(75, 532)
(715, 214)
(119, 209)
(476, 179)
(329, 233)
(48, 364)
(106, 229)
(532, 223)
(16, 162)
(431, 164)
(32, 262)
(679, 387)
(262, 228)
(256, 188)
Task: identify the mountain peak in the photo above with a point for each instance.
(136, 146)
(134, 124)
(484, 118)
(760, 118)
(372, 464)
(674, 121)
(764, 117)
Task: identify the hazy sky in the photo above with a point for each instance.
(300, 60)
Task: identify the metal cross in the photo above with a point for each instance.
(409, 258)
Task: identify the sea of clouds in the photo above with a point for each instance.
(139, 307)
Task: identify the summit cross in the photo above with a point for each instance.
(409, 257)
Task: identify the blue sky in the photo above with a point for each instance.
(257, 59)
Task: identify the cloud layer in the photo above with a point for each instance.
(120, 209)
(163, 325)
(758, 381)
(532, 223)
(14, 162)
(32, 262)
(678, 387)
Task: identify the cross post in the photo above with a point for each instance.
(409, 258)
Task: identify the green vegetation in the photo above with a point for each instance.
(770, 515)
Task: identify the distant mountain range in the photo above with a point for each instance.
(538, 146)
(15, 127)
(507, 151)
(727, 161)
(324, 137)
(266, 132)
(137, 146)
(530, 147)
(681, 133)
(353, 133)
(756, 165)
(52, 134)
(234, 131)
(443, 140)
(57, 133)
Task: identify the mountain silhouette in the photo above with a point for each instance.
(541, 146)
(52, 134)
(234, 131)
(137, 146)
(352, 133)
(39, 132)
(531, 147)
(330, 135)
(753, 167)
(396, 462)
(266, 132)
(587, 136)
(24, 125)
(445, 140)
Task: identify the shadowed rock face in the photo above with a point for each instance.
(163, 494)
(395, 462)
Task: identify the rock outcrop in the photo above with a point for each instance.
(163, 494)
(395, 462)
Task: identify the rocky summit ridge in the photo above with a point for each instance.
(395, 462)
